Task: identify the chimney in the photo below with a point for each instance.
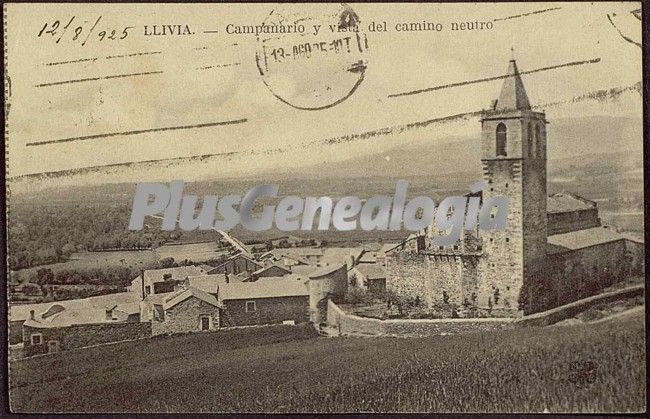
(227, 279)
(109, 314)
(142, 281)
(32, 315)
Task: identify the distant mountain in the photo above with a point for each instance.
(568, 138)
(588, 145)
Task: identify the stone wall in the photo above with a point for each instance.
(16, 331)
(565, 222)
(437, 279)
(557, 314)
(575, 274)
(78, 336)
(267, 311)
(349, 324)
(186, 316)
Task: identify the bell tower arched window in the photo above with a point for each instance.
(531, 140)
(501, 140)
(538, 143)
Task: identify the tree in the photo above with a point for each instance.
(167, 262)
(67, 250)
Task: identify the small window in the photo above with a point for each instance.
(501, 140)
(531, 140)
(455, 247)
(441, 247)
(205, 323)
(251, 306)
(36, 338)
(147, 290)
(507, 240)
(53, 346)
(506, 185)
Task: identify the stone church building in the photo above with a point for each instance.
(554, 249)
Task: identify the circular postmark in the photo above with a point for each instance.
(312, 57)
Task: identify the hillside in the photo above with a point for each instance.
(581, 368)
(568, 139)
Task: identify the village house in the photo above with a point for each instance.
(63, 328)
(19, 313)
(159, 281)
(184, 299)
(370, 276)
(273, 270)
(237, 264)
(184, 310)
(264, 302)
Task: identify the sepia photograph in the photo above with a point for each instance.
(324, 208)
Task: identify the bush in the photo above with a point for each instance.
(356, 296)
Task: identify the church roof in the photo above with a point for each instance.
(566, 201)
(588, 237)
(513, 94)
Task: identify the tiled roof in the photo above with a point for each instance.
(564, 202)
(235, 256)
(126, 301)
(263, 289)
(587, 237)
(178, 273)
(289, 277)
(259, 271)
(207, 283)
(371, 270)
(386, 247)
(303, 269)
(183, 295)
(368, 257)
(325, 270)
(59, 314)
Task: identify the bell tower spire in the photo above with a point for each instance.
(513, 93)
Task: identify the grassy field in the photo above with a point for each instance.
(586, 368)
(196, 252)
(91, 260)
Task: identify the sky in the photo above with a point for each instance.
(211, 77)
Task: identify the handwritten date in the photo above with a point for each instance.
(75, 30)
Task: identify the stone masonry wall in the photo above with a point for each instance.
(267, 311)
(576, 274)
(564, 222)
(78, 336)
(349, 324)
(185, 316)
(502, 267)
(436, 279)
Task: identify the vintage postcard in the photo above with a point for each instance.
(325, 207)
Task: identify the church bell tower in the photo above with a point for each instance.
(513, 157)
